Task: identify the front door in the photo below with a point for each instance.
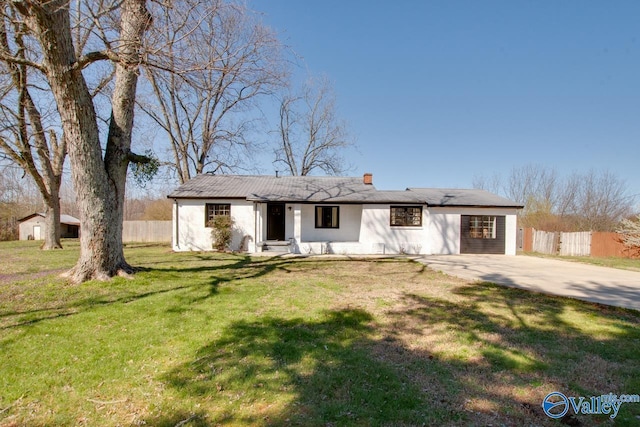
(275, 221)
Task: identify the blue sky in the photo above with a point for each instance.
(437, 92)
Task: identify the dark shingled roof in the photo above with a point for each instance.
(323, 189)
(276, 189)
(462, 197)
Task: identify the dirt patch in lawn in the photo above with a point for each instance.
(23, 277)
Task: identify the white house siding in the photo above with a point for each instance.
(443, 231)
(364, 229)
(289, 224)
(444, 227)
(342, 240)
(511, 230)
(349, 224)
(377, 236)
(190, 234)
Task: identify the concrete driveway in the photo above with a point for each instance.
(570, 279)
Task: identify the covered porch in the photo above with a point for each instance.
(303, 228)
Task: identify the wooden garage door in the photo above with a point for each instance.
(482, 234)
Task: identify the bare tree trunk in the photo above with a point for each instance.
(52, 231)
(99, 182)
(108, 259)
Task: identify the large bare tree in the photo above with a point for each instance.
(214, 61)
(600, 200)
(28, 137)
(98, 176)
(311, 136)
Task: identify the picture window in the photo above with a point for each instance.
(327, 217)
(406, 216)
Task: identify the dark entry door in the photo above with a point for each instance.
(275, 221)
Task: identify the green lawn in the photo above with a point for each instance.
(204, 339)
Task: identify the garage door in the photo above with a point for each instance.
(482, 234)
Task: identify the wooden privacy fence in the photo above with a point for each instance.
(583, 243)
(146, 231)
(545, 242)
(575, 244)
(605, 244)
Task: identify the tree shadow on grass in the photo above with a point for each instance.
(214, 270)
(195, 283)
(276, 371)
(508, 348)
(234, 268)
(482, 355)
(18, 318)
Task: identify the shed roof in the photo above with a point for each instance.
(64, 219)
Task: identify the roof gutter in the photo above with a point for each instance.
(475, 206)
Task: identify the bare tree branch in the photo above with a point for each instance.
(311, 137)
(590, 200)
(24, 137)
(212, 61)
(92, 57)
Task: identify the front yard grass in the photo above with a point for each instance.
(205, 339)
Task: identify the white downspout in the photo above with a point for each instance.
(255, 226)
(177, 228)
(297, 227)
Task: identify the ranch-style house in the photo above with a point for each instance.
(341, 215)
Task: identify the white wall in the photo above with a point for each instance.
(192, 235)
(364, 229)
(511, 233)
(444, 228)
(378, 236)
(349, 225)
(288, 221)
(443, 231)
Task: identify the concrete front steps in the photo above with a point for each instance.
(275, 246)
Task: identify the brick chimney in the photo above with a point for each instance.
(367, 179)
